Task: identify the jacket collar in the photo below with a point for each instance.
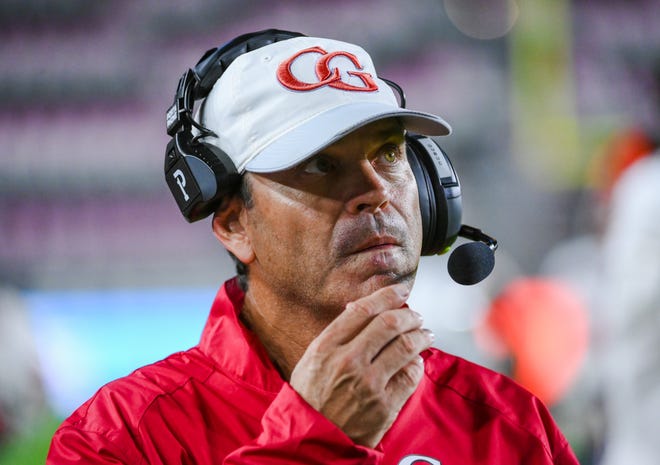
(235, 350)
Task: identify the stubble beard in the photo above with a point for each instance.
(328, 299)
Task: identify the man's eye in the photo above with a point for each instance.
(319, 165)
(391, 154)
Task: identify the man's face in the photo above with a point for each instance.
(339, 225)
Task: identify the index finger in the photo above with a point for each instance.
(359, 313)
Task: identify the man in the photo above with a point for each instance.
(313, 356)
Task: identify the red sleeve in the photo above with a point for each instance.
(292, 433)
(565, 456)
(74, 446)
(295, 433)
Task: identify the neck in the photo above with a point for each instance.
(285, 329)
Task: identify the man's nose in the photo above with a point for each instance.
(367, 190)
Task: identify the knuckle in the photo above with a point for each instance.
(411, 375)
(318, 346)
(372, 384)
(407, 343)
(367, 386)
(391, 320)
(392, 294)
(349, 365)
(361, 309)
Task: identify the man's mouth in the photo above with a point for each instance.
(371, 234)
(376, 243)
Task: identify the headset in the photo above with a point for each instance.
(200, 175)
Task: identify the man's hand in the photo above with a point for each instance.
(363, 367)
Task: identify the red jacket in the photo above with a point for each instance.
(223, 402)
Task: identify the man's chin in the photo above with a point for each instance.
(350, 283)
(371, 283)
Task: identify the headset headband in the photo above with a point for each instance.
(196, 83)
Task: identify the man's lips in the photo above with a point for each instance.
(369, 233)
(376, 243)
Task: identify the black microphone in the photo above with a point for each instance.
(472, 262)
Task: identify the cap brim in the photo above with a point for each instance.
(324, 129)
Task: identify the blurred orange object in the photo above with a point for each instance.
(624, 148)
(543, 325)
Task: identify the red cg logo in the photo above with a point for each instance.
(326, 76)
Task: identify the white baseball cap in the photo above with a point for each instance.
(280, 104)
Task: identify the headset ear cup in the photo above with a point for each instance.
(221, 179)
(439, 193)
(198, 175)
(426, 196)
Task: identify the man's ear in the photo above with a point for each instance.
(229, 226)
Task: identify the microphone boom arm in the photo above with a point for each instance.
(476, 234)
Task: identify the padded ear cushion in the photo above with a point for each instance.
(198, 175)
(216, 176)
(439, 193)
(426, 197)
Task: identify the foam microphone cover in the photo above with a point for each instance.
(471, 263)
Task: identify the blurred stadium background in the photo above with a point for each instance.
(551, 102)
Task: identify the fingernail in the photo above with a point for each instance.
(418, 316)
(430, 335)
